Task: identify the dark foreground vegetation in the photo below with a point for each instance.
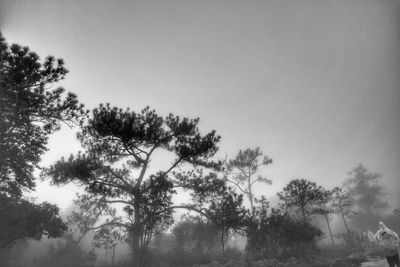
(128, 202)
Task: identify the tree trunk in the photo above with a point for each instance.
(136, 235)
(136, 249)
(113, 256)
(106, 256)
(303, 213)
(223, 243)
(344, 219)
(329, 228)
(251, 199)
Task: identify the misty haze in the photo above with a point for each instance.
(199, 133)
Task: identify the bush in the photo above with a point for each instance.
(66, 254)
(280, 236)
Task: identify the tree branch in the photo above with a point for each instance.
(121, 179)
(188, 207)
(112, 223)
(133, 153)
(144, 168)
(116, 201)
(238, 186)
(172, 166)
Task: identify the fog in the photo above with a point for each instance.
(293, 160)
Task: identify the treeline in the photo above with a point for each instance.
(127, 200)
(291, 228)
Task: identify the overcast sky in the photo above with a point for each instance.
(314, 84)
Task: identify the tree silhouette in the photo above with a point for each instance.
(21, 219)
(365, 191)
(278, 235)
(64, 253)
(243, 168)
(342, 202)
(108, 238)
(29, 112)
(301, 194)
(194, 235)
(228, 213)
(86, 214)
(324, 208)
(114, 168)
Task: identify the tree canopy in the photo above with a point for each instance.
(280, 235)
(29, 111)
(114, 168)
(341, 203)
(301, 194)
(22, 219)
(365, 191)
(242, 170)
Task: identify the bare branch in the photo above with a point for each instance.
(144, 168)
(134, 154)
(238, 186)
(172, 166)
(120, 178)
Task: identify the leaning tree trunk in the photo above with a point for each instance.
(250, 194)
(344, 219)
(329, 228)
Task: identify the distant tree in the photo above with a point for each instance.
(163, 242)
(196, 235)
(109, 238)
(192, 240)
(65, 254)
(341, 203)
(301, 194)
(253, 223)
(243, 168)
(114, 169)
(86, 214)
(20, 219)
(228, 213)
(324, 208)
(225, 207)
(29, 113)
(366, 192)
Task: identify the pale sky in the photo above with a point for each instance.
(314, 84)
